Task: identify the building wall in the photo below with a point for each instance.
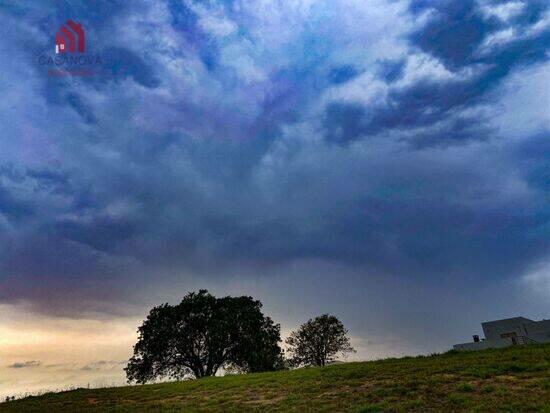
(494, 329)
(508, 332)
(482, 345)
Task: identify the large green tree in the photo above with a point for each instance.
(318, 342)
(202, 334)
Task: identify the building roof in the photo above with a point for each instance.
(520, 319)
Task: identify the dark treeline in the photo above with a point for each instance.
(203, 334)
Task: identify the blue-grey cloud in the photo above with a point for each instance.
(212, 140)
(342, 74)
(454, 33)
(392, 70)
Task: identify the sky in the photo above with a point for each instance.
(386, 161)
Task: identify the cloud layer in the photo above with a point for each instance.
(397, 140)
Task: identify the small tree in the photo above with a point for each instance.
(318, 342)
(202, 334)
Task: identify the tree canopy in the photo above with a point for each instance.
(318, 342)
(202, 334)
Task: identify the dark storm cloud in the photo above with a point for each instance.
(184, 20)
(30, 36)
(342, 74)
(536, 155)
(101, 234)
(453, 36)
(345, 122)
(392, 70)
(209, 144)
(455, 32)
(48, 178)
(120, 63)
(80, 107)
(457, 131)
(12, 207)
(411, 218)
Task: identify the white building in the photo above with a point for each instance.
(509, 332)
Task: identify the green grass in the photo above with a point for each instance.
(504, 380)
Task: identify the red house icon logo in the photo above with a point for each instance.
(69, 35)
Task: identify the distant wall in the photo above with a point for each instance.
(482, 345)
(518, 325)
(521, 327)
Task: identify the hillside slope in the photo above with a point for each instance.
(513, 379)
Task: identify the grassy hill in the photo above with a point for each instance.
(513, 379)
